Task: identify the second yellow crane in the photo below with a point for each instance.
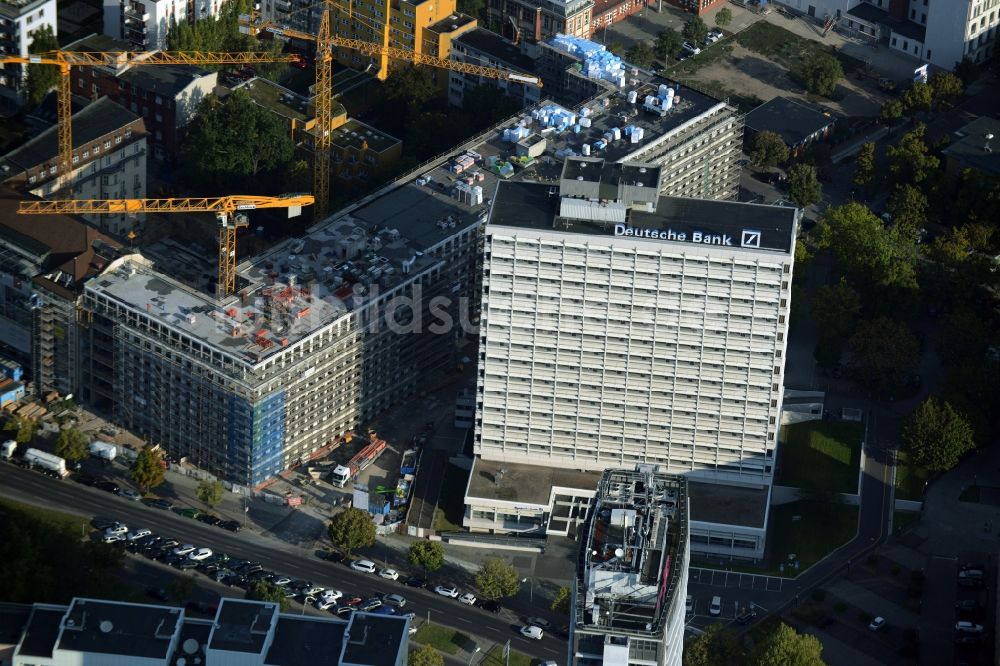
(228, 209)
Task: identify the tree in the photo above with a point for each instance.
(963, 336)
(891, 111)
(410, 84)
(668, 45)
(428, 555)
(147, 470)
(262, 590)
(724, 17)
(786, 647)
(352, 529)
(718, 645)
(967, 70)
(908, 207)
(946, 88)
(23, 427)
(695, 30)
(803, 185)
(868, 252)
(561, 603)
(821, 74)
(936, 435)
(41, 78)
(835, 308)
(72, 445)
(768, 149)
(909, 160)
(471, 7)
(497, 579)
(425, 656)
(640, 55)
(884, 354)
(181, 587)
(210, 492)
(864, 166)
(917, 97)
(232, 141)
(489, 103)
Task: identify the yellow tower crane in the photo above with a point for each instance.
(228, 210)
(65, 60)
(253, 25)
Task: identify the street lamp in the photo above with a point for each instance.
(531, 589)
(473, 655)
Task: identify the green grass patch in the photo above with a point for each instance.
(57, 519)
(821, 456)
(495, 658)
(451, 501)
(709, 55)
(810, 529)
(441, 638)
(788, 49)
(910, 479)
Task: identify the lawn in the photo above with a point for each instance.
(54, 518)
(441, 638)
(810, 529)
(820, 456)
(495, 658)
(910, 479)
(451, 500)
(788, 49)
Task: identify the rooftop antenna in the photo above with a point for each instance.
(986, 146)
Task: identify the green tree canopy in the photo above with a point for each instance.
(803, 185)
(425, 655)
(821, 74)
(864, 166)
(147, 470)
(891, 111)
(718, 645)
(561, 602)
(908, 206)
(22, 427)
(836, 308)
(786, 647)
(72, 445)
(964, 336)
(768, 149)
(668, 45)
(910, 161)
(181, 587)
(936, 435)
(723, 17)
(640, 55)
(428, 555)
(946, 88)
(885, 354)
(41, 78)
(262, 590)
(410, 84)
(695, 30)
(917, 97)
(352, 529)
(222, 33)
(497, 579)
(210, 492)
(233, 142)
(867, 251)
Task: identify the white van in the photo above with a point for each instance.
(716, 607)
(363, 565)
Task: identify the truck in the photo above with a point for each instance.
(103, 450)
(48, 461)
(344, 474)
(7, 449)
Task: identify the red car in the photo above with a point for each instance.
(354, 601)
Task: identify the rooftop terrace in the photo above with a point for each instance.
(355, 134)
(524, 484)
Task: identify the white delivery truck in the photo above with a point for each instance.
(7, 449)
(103, 450)
(48, 461)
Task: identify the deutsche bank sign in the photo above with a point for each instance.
(748, 237)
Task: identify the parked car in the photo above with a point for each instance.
(200, 554)
(384, 610)
(713, 36)
(209, 519)
(231, 525)
(715, 608)
(391, 574)
(446, 591)
(102, 523)
(133, 495)
(366, 566)
(532, 632)
(966, 627)
(310, 590)
(877, 623)
(344, 611)
(468, 598)
(166, 505)
(491, 606)
(332, 556)
(117, 528)
(326, 604)
(183, 549)
(108, 487)
(968, 606)
(394, 600)
(85, 479)
(281, 581)
(540, 622)
(332, 595)
(185, 563)
(112, 538)
(369, 605)
(689, 605)
(415, 581)
(135, 535)
(189, 512)
(690, 49)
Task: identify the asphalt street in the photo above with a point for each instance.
(34, 488)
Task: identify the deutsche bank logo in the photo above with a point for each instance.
(750, 238)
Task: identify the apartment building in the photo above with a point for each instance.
(166, 96)
(145, 24)
(535, 21)
(359, 153)
(482, 47)
(628, 597)
(109, 162)
(255, 633)
(19, 19)
(609, 12)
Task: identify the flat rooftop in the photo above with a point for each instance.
(242, 626)
(355, 134)
(41, 632)
(530, 484)
(970, 145)
(792, 120)
(375, 640)
(116, 628)
(494, 45)
(450, 23)
(280, 100)
(313, 641)
(191, 642)
(677, 220)
(727, 505)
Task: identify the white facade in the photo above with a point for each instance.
(146, 24)
(956, 30)
(18, 21)
(599, 351)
